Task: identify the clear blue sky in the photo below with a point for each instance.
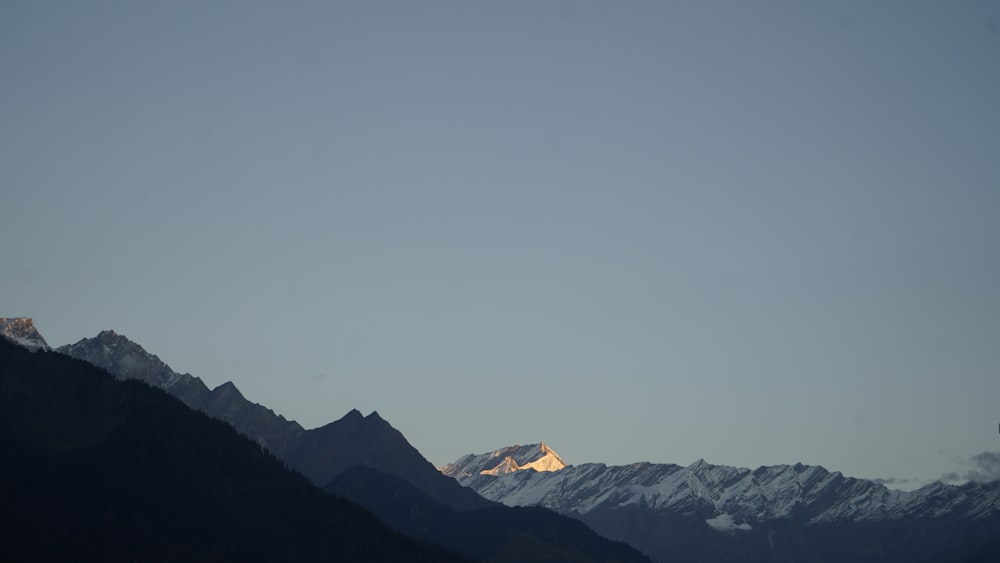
(750, 232)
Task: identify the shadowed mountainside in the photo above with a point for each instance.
(104, 470)
(320, 453)
(497, 534)
(368, 443)
(326, 452)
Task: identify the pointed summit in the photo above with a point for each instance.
(508, 465)
(537, 457)
(549, 460)
(22, 331)
(329, 451)
(375, 421)
(124, 358)
(352, 415)
(228, 389)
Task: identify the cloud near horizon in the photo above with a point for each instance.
(981, 468)
(892, 481)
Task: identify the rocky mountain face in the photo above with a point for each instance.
(321, 454)
(21, 331)
(717, 513)
(127, 360)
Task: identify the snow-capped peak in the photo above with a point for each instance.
(126, 359)
(549, 460)
(508, 465)
(538, 457)
(22, 331)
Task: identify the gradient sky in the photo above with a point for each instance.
(751, 232)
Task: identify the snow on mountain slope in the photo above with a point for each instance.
(706, 512)
(506, 460)
(21, 331)
(728, 496)
(125, 359)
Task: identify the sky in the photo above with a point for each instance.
(755, 233)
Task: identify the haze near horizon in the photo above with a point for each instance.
(751, 233)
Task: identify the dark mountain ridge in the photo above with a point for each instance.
(372, 442)
(127, 360)
(96, 469)
(319, 453)
(370, 446)
(496, 534)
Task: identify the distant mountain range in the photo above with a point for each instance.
(361, 458)
(707, 512)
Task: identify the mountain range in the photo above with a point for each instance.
(526, 503)
(706, 512)
(357, 457)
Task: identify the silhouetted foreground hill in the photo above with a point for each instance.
(96, 469)
(324, 453)
(496, 534)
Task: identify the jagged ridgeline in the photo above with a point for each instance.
(701, 512)
(365, 459)
(321, 454)
(96, 469)
(706, 512)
